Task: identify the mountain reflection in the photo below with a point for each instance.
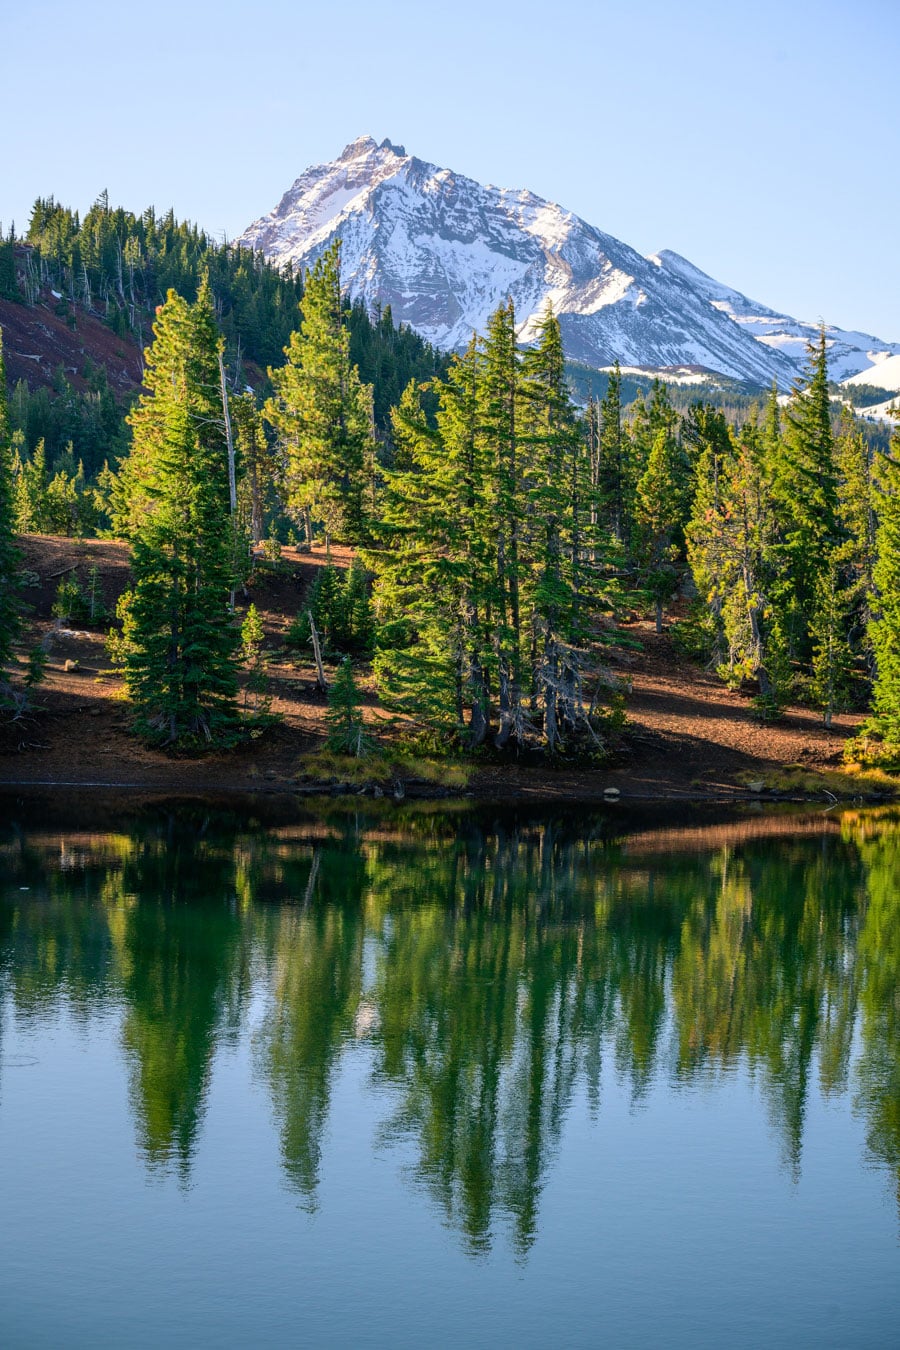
(488, 972)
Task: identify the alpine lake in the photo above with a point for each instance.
(467, 1077)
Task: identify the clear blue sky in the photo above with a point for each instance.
(757, 138)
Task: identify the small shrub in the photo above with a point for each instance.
(37, 667)
(694, 636)
(766, 708)
(734, 674)
(870, 751)
(70, 603)
(252, 636)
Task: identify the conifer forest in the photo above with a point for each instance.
(501, 531)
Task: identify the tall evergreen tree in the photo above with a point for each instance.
(182, 362)
(435, 564)
(661, 511)
(10, 604)
(322, 413)
(30, 491)
(804, 488)
(344, 719)
(560, 532)
(707, 532)
(853, 458)
(179, 647)
(884, 627)
(771, 432)
(497, 400)
(256, 464)
(831, 656)
(614, 480)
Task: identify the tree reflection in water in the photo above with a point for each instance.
(490, 969)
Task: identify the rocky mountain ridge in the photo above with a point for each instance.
(443, 251)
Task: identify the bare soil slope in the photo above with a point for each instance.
(36, 340)
(687, 735)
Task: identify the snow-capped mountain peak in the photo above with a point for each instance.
(444, 251)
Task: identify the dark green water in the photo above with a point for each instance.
(432, 1080)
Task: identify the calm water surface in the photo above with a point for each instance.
(449, 1080)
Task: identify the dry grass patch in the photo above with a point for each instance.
(382, 768)
(850, 781)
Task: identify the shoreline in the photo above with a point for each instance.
(540, 791)
(83, 816)
(688, 738)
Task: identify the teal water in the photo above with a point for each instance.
(470, 1079)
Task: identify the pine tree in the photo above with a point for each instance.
(884, 627)
(30, 491)
(178, 645)
(560, 532)
(346, 729)
(492, 565)
(10, 558)
(832, 660)
(182, 362)
(639, 442)
(613, 478)
(358, 629)
(730, 540)
(856, 554)
(772, 431)
(756, 647)
(322, 413)
(435, 564)
(256, 464)
(708, 530)
(497, 402)
(804, 487)
(661, 514)
(252, 638)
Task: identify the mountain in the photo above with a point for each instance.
(884, 374)
(851, 356)
(443, 251)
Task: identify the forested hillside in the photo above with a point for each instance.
(80, 295)
(505, 533)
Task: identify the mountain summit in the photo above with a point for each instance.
(444, 251)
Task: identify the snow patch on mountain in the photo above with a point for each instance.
(880, 412)
(884, 372)
(850, 354)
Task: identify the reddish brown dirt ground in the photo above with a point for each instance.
(36, 340)
(687, 735)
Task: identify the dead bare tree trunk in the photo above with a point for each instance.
(321, 679)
